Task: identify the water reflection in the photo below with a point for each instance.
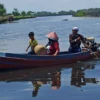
(40, 77)
(37, 85)
(54, 81)
(78, 77)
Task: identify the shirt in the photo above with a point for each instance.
(52, 48)
(33, 43)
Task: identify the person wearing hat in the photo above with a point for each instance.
(75, 40)
(53, 45)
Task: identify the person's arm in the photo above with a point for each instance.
(71, 40)
(56, 53)
(28, 47)
(57, 49)
(84, 42)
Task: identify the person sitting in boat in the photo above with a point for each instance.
(53, 45)
(32, 43)
(75, 40)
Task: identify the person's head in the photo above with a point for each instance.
(90, 39)
(51, 40)
(31, 35)
(75, 30)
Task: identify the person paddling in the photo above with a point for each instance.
(32, 43)
(53, 45)
(75, 40)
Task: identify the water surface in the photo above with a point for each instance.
(73, 81)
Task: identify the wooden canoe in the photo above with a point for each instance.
(12, 60)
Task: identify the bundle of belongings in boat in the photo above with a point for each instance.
(90, 41)
(40, 50)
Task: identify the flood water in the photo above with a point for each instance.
(79, 81)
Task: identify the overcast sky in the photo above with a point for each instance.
(49, 5)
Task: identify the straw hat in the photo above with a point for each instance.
(40, 50)
(52, 35)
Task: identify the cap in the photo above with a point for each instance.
(75, 28)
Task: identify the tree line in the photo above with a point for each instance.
(15, 12)
(94, 12)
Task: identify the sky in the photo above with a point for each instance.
(49, 5)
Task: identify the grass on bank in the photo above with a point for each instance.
(5, 18)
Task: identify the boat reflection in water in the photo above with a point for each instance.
(52, 76)
(78, 76)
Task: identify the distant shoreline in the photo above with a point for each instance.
(5, 19)
(17, 15)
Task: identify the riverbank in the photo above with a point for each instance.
(4, 19)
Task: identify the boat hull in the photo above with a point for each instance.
(11, 61)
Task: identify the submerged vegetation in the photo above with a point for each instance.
(15, 14)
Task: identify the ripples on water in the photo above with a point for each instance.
(74, 81)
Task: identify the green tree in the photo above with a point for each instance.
(71, 12)
(2, 10)
(45, 13)
(23, 13)
(62, 13)
(15, 12)
(30, 13)
(80, 13)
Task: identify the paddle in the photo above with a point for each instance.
(94, 53)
